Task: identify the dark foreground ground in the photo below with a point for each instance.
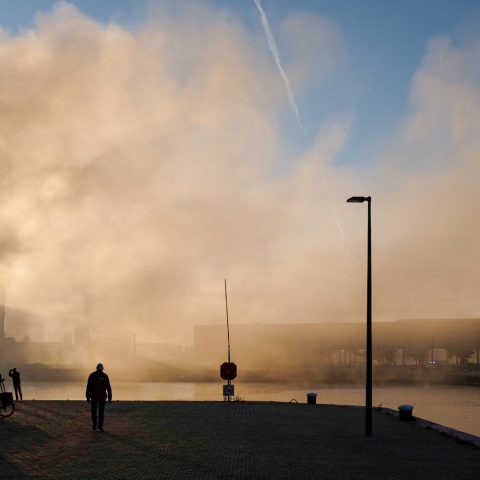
(213, 440)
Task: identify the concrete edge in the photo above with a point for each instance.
(462, 437)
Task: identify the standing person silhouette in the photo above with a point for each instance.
(16, 383)
(98, 388)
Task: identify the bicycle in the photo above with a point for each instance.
(7, 405)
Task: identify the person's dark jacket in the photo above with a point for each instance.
(98, 386)
(15, 377)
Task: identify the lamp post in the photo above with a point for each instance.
(368, 382)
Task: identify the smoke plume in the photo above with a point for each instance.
(141, 167)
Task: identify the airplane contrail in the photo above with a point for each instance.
(276, 56)
(288, 88)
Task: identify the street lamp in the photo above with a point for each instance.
(368, 383)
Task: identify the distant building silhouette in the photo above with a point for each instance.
(294, 347)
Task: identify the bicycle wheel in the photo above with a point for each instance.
(6, 411)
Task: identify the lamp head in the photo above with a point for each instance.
(359, 199)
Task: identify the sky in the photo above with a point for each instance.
(151, 149)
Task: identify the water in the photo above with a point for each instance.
(454, 406)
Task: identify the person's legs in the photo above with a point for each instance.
(20, 391)
(101, 410)
(15, 388)
(94, 413)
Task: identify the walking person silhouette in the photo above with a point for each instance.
(98, 389)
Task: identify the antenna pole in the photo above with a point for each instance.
(228, 326)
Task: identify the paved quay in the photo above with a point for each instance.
(216, 440)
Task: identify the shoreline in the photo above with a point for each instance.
(459, 435)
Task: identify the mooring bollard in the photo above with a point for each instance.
(405, 413)
(311, 398)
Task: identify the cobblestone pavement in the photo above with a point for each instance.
(216, 440)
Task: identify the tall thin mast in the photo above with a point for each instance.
(228, 326)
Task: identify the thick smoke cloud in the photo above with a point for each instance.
(141, 167)
(429, 188)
